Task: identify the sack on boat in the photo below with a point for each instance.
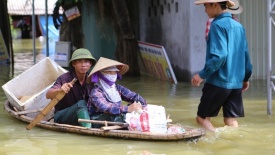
(152, 119)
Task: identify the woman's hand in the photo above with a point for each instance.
(134, 107)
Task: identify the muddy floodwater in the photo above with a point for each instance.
(255, 136)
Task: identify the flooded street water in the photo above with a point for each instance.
(254, 136)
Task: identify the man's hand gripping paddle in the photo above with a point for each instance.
(48, 108)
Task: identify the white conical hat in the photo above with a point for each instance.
(236, 9)
(229, 3)
(103, 63)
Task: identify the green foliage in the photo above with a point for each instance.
(14, 31)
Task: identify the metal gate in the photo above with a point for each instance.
(270, 70)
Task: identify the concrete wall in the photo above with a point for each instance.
(181, 32)
(179, 26)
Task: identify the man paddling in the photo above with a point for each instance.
(73, 105)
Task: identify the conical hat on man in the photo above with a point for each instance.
(229, 3)
(104, 63)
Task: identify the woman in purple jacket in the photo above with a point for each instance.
(105, 99)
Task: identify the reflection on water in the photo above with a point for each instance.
(254, 136)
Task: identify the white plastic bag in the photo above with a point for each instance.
(157, 118)
(152, 119)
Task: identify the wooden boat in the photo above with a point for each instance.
(27, 109)
(190, 133)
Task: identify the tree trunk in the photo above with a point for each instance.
(5, 28)
(71, 31)
(127, 47)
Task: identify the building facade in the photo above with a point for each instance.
(179, 26)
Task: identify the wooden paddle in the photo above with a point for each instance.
(48, 108)
(114, 127)
(27, 111)
(106, 123)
